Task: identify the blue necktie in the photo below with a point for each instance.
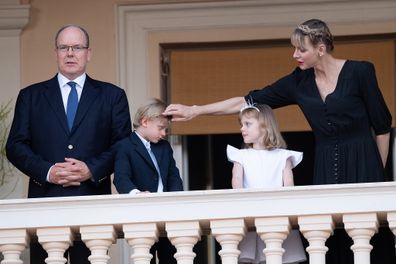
(72, 103)
(152, 156)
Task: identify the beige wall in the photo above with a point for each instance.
(47, 16)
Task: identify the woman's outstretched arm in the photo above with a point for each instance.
(181, 112)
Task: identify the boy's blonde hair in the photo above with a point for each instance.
(269, 126)
(151, 110)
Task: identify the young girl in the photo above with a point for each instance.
(263, 163)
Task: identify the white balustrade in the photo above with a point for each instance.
(141, 237)
(98, 239)
(273, 231)
(361, 227)
(228, 233)
(186, 216)
(55, 241)
(184, 235)
(316, 229)
(392, 223)
(12, 243)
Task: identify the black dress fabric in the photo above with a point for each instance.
(344, 125)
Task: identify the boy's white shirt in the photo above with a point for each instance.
(160, 185)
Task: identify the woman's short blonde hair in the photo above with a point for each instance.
(269, 126)
(151, 110)
(317, 32)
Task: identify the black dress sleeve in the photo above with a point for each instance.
(379, 115)
(280, 93)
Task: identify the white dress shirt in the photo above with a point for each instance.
(148, 148)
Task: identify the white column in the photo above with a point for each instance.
(392, 223)
(273, 231)
(361, 227)
(98, 239)
(184, 235)
(228, 233)
(14, 16)
(12, 243)
(141, 237)
(55, 241)
(316, 229)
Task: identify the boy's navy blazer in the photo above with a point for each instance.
(39, 135)
(134, 168)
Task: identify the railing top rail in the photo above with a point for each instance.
(199, 205)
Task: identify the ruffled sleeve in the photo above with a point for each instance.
(295, 157)
(234, 154)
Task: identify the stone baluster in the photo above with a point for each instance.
(316, 229)
(228, 232)
(141, 237)
(273, 231)
(184, 235)
(361, 227)
(392, 223)
(98, 239)
(12, 243)
(55, 241)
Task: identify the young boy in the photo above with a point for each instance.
(144, 163)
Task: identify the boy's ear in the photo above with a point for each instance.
(144, 122)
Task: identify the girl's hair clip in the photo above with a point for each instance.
(249, 105)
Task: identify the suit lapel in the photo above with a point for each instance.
(88, 96)
(54, 98)
(141, 149)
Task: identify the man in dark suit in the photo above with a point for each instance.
(144, 163)
(63, 130)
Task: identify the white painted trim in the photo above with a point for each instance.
(335, 200)
(13, 18)
(142, 28)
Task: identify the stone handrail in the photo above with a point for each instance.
(186, 216)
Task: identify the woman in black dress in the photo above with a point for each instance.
(343, 105)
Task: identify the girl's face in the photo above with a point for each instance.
(251, 130)
(306, 55)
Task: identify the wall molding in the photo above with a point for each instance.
(141, 29)
(13, 18)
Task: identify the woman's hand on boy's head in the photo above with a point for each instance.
(179, 112)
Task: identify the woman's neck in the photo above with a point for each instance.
(328, 68)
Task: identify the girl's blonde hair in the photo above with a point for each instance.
(269, 126)
(151, 110)
(317, 32)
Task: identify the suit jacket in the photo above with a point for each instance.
(134, 168)
(39, 135)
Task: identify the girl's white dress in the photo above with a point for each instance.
(262, 169)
